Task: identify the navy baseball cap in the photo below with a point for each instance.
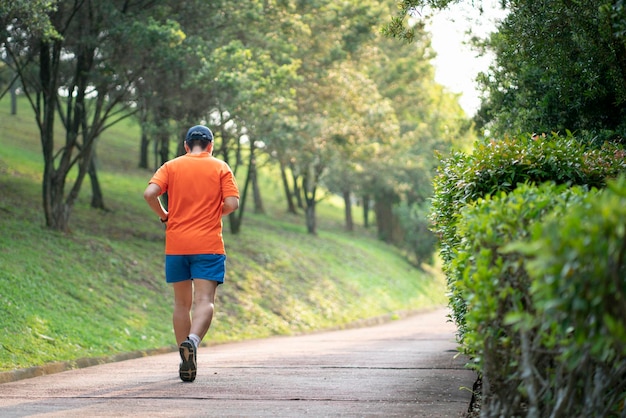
(199, 132)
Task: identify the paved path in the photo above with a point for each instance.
(405, 368)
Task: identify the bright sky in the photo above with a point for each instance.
(456, 64)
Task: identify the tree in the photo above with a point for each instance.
(174, 91)
(249, 76)
(313, 147)
(8, 83)
(558, 65)
(362, 124)
(31, 14)
(430, 121)
(86, 73)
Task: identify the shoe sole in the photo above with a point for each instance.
(188, 366)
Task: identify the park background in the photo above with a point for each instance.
(355, 165)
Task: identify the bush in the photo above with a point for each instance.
(534, 258)
(494, 286)
(543, 273)
(578, 272)
(499, 166)
(418, 239)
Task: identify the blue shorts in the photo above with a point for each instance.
(179, 268)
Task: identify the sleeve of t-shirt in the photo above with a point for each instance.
(160, 178)
(229, 183)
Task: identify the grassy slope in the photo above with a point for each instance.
(100, 290)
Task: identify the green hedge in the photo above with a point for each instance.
(496, 166)
(495, 287)
(578, 270)
(500, 166)
(543, 273)
(535, 267)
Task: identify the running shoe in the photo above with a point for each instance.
(188, 365)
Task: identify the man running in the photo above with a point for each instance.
(200, 190)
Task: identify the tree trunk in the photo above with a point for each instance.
(297, 192)
(13, 87)
(366, 211)
(13, 93)
(180, 142)
(155, 155)
(144, 145)
(143, 150)
(164, 146)
(74, 155)
(347, 203)
(291, 207)
(53, 186)
(309, 187)
(75, 118)
(162, 136)
(384, 218)
(311, 225)
(236, 218)
(389, 229)
(97, 198)
(77, 127)
(256, 191)
(234, 221)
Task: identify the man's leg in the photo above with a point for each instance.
(204, 305)
(181, 318)
(183, 298)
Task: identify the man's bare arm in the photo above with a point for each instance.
(231, 204)
(151, 195)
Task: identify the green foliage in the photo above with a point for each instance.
(542, 272)
(534, 263)
(558, 65)
(400, 27)
(578, 271)
(491, 285)
(33, 14)
(429, 121)
(418, 240)
(499, 166)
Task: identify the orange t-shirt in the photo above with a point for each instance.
(196, 185)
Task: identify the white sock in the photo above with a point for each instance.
(195, 339)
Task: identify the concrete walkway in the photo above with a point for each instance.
(405, 368)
